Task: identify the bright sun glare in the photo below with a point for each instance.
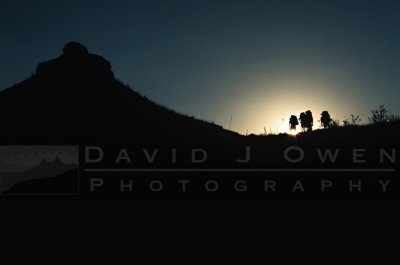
(293, 132)
(290, 132)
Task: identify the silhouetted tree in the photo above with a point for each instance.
(325, 119)
(293, 122)
(379, 115)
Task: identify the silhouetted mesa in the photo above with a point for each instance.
(76, 98)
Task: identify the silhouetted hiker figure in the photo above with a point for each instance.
(303, 121)
(307, 121)
(293, 122)
(325, 119)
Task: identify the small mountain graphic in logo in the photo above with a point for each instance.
(39, 170)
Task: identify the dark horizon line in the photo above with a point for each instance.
(111, 170)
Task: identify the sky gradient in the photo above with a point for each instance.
(257, 61)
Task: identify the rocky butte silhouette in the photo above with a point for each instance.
(76, 98)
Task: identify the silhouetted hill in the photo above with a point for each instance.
(364, 134)
(75, 97)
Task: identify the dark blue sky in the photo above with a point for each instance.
(260, 61)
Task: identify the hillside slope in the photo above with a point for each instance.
(75, 97)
